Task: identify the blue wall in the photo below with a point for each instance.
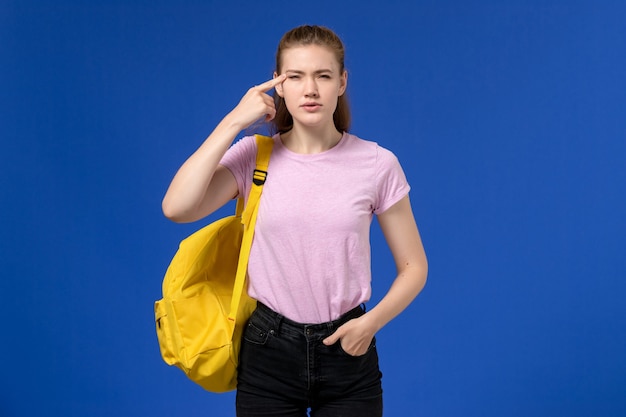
(508, 116)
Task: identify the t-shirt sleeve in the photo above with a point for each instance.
(240, 159)
(391, 182)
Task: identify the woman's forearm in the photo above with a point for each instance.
(187, 193)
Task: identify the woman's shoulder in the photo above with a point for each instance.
(241, 153)
(246, 141)
(369, 145)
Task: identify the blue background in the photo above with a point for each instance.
(508, 117)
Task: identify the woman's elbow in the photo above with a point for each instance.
(420, 273)
(171, 212)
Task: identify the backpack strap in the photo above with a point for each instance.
(248, 219)
(264, 151)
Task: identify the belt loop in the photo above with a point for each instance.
(278, 322)
(331, 327)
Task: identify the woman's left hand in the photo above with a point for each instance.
(355, 336)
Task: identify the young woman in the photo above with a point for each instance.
(310, 344)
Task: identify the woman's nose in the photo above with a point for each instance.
(310, 88)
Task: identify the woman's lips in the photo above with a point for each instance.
(311, 106)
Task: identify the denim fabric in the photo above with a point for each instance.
(285, 369)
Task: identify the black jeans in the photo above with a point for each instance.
(285, 369)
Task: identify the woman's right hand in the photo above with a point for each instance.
(256, 103)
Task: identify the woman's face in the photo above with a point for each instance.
(313, 84)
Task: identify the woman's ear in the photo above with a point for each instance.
(343, 83)
(279, 87)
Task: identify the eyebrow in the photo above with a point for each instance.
(321, 71)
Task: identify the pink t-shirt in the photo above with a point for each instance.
(310, 258)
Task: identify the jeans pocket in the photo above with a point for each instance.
(256, 333)
(369, 349)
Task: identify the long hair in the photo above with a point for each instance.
(302, 36)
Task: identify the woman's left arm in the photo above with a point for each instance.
(398, 226)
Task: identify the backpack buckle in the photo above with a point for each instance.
(259, 177)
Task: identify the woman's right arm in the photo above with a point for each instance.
(201, 185)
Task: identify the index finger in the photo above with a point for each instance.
(268, 85)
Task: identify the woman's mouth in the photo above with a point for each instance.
(311, 106)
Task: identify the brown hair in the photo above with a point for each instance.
(311, 35)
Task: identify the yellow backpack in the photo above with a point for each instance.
(200, 319)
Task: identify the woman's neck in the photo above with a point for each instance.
(310, 141)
